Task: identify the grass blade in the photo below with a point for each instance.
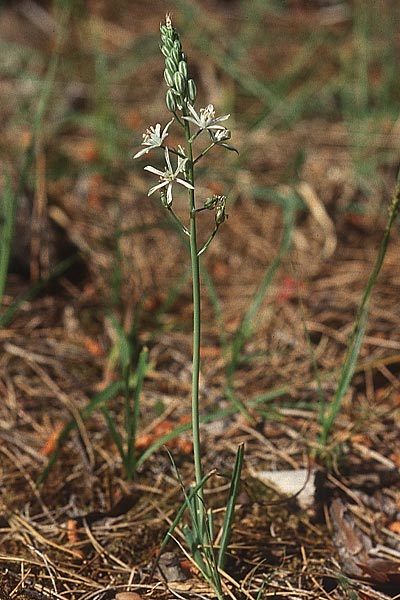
(357, 335)
(7, 221)
(134, 414)
(230, 506)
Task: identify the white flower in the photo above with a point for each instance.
(153, 138)
(221, 135)
(207, 118)
(168, 177)
(219, 138)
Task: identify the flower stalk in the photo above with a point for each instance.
(180, 99)
(194, 258)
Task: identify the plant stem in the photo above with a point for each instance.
(196, 319)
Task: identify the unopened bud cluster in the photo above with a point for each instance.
(217, 203)
(181, 89)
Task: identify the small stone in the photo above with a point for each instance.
(127, 596)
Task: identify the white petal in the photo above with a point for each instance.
(155, 171)
(141, 152)
(192, 120)
(223, 118)
(215, 126)
(185, 183)
(194, 113)
(168, 161)
(164, 133)
(169, 195)
(157, 187)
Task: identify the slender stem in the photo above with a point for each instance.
(204, 152)
(196, 319)
(208, 242)
(178, 221)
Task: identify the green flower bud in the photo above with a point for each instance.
(168, 78)
(211, 202)
(171, 65)
(166, 47)
(164, 50)
(182, 67)
(170, 101)
(178, 45)
(180, 83)
(192, 90)
(175, 55)
(220, 215)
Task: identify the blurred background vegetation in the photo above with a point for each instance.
(313, 91)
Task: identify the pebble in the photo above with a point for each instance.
(127, 596)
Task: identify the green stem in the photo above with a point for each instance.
(208, 242)
(204, 152)
(178, 221)
(196, 318)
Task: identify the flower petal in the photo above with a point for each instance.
(157, 187)
(168, 160)
(169, 194)
(154, 170)
(185, 183)
(141, 152)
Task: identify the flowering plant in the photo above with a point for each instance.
(180, 99)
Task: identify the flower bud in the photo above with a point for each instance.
(168, 42)
(192, 90)
(164, 49)
(170, 101)
(171, 65)
(175, 55)
(178, 45)
(182, 67)
(220, 215)
(210, 203)
(168, 78)
(180, 83)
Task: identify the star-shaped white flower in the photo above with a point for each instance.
(206, 119)
(169, 176)
(219, 138)
(153, 138)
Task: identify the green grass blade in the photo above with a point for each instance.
(7, 221)
(124, 347)
(353, 350)
(188, 497)
(118, 441)
(230, 506)
(134, 415)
